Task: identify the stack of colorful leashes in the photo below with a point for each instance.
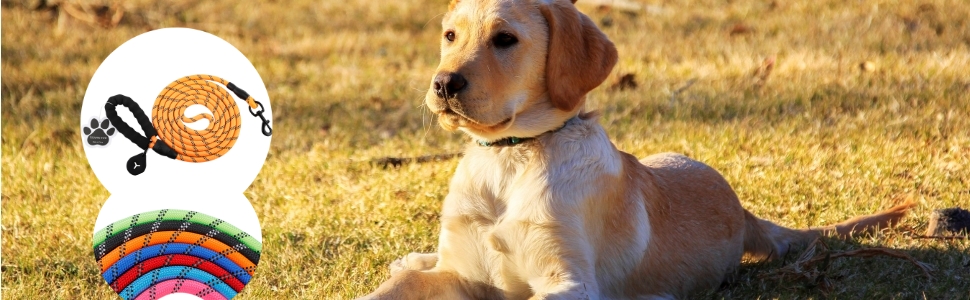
(153, 254)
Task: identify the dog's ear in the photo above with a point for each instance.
(580, 56)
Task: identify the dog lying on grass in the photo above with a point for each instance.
(542, 205)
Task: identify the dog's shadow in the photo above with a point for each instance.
(857, 269)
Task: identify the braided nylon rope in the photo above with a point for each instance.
(155, 238)
(168, 116)
(117, 240)
(175, 215)
(189, 252)
(167, 134)
(125, 264)
(162, 274)
(173, 286)
(177, 260)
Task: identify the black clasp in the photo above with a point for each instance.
(267, 130)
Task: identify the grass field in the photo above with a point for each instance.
(865, 101)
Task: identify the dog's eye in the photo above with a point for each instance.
(450, 35)
(504, 40)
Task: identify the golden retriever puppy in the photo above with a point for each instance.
(543, 206)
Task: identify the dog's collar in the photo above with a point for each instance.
(505, 142)
(514, 140)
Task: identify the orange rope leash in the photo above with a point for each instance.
(192, 145)
(179, 141)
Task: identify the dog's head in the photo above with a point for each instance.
(516, 67)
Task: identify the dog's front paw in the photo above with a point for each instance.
(414, 261)
(398, 265)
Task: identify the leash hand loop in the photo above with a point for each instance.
(136, 164)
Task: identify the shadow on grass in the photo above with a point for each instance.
(712, 105)
(947, 274)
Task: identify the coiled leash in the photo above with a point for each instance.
(167, 134)
(140, 253)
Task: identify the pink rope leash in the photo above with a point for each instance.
(187, 286)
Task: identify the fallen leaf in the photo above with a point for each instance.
(740, 28)
(626, 81)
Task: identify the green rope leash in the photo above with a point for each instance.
(120, 226)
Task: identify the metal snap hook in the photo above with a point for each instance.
(267, 130)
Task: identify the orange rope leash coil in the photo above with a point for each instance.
(168, 123)
(192, 145)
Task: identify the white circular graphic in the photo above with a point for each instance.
(141, 69)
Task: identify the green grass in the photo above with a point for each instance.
(819, 141)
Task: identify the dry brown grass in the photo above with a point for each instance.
(864, 101)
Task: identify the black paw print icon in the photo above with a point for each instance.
(99, 135)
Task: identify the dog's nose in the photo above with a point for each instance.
(448, 84)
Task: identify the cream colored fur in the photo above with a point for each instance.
(567, 215)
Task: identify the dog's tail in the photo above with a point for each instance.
(766, 240)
